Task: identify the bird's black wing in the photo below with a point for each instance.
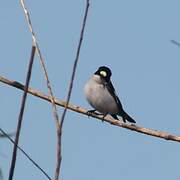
(112, 91)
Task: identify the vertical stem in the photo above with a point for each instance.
(59, 132)
(20, 118)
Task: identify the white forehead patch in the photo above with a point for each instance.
(103, 73)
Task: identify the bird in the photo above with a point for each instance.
(101, 95)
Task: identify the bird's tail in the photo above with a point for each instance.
(125, 117)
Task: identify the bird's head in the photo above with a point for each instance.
(104, 72)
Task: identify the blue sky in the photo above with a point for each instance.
(133, 38)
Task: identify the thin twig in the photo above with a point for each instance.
(20, 118)
(150, 132)
(175, 42)
(35, 42)
(54, 108)
(40, 58)
(59, 145)
(28, 156)
(2, 135)
(75, 64)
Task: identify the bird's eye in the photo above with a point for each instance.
(103, 73)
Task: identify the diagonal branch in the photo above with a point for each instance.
(2, 135)
(35, 42)
(78, 109)
(59, 155)
(20, 118)
(175, 42)
(34, 163)
(54, 108)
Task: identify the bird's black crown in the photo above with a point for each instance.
(104, 72)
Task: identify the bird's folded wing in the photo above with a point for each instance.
(112, 91)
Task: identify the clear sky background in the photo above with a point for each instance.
(133, 38)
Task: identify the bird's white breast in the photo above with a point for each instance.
(99, 97)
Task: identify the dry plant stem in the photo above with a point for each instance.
(150, 132)
(2, 135)
(41, 61)
(175, 42)
(54, 108)
(59, 152)
(75, 63)
(28, 156)
(20, 118)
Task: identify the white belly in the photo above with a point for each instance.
(99, 98)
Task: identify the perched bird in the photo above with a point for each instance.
(101, 95)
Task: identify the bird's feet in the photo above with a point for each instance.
(104, 115)
(90, 112)
(114, 116)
